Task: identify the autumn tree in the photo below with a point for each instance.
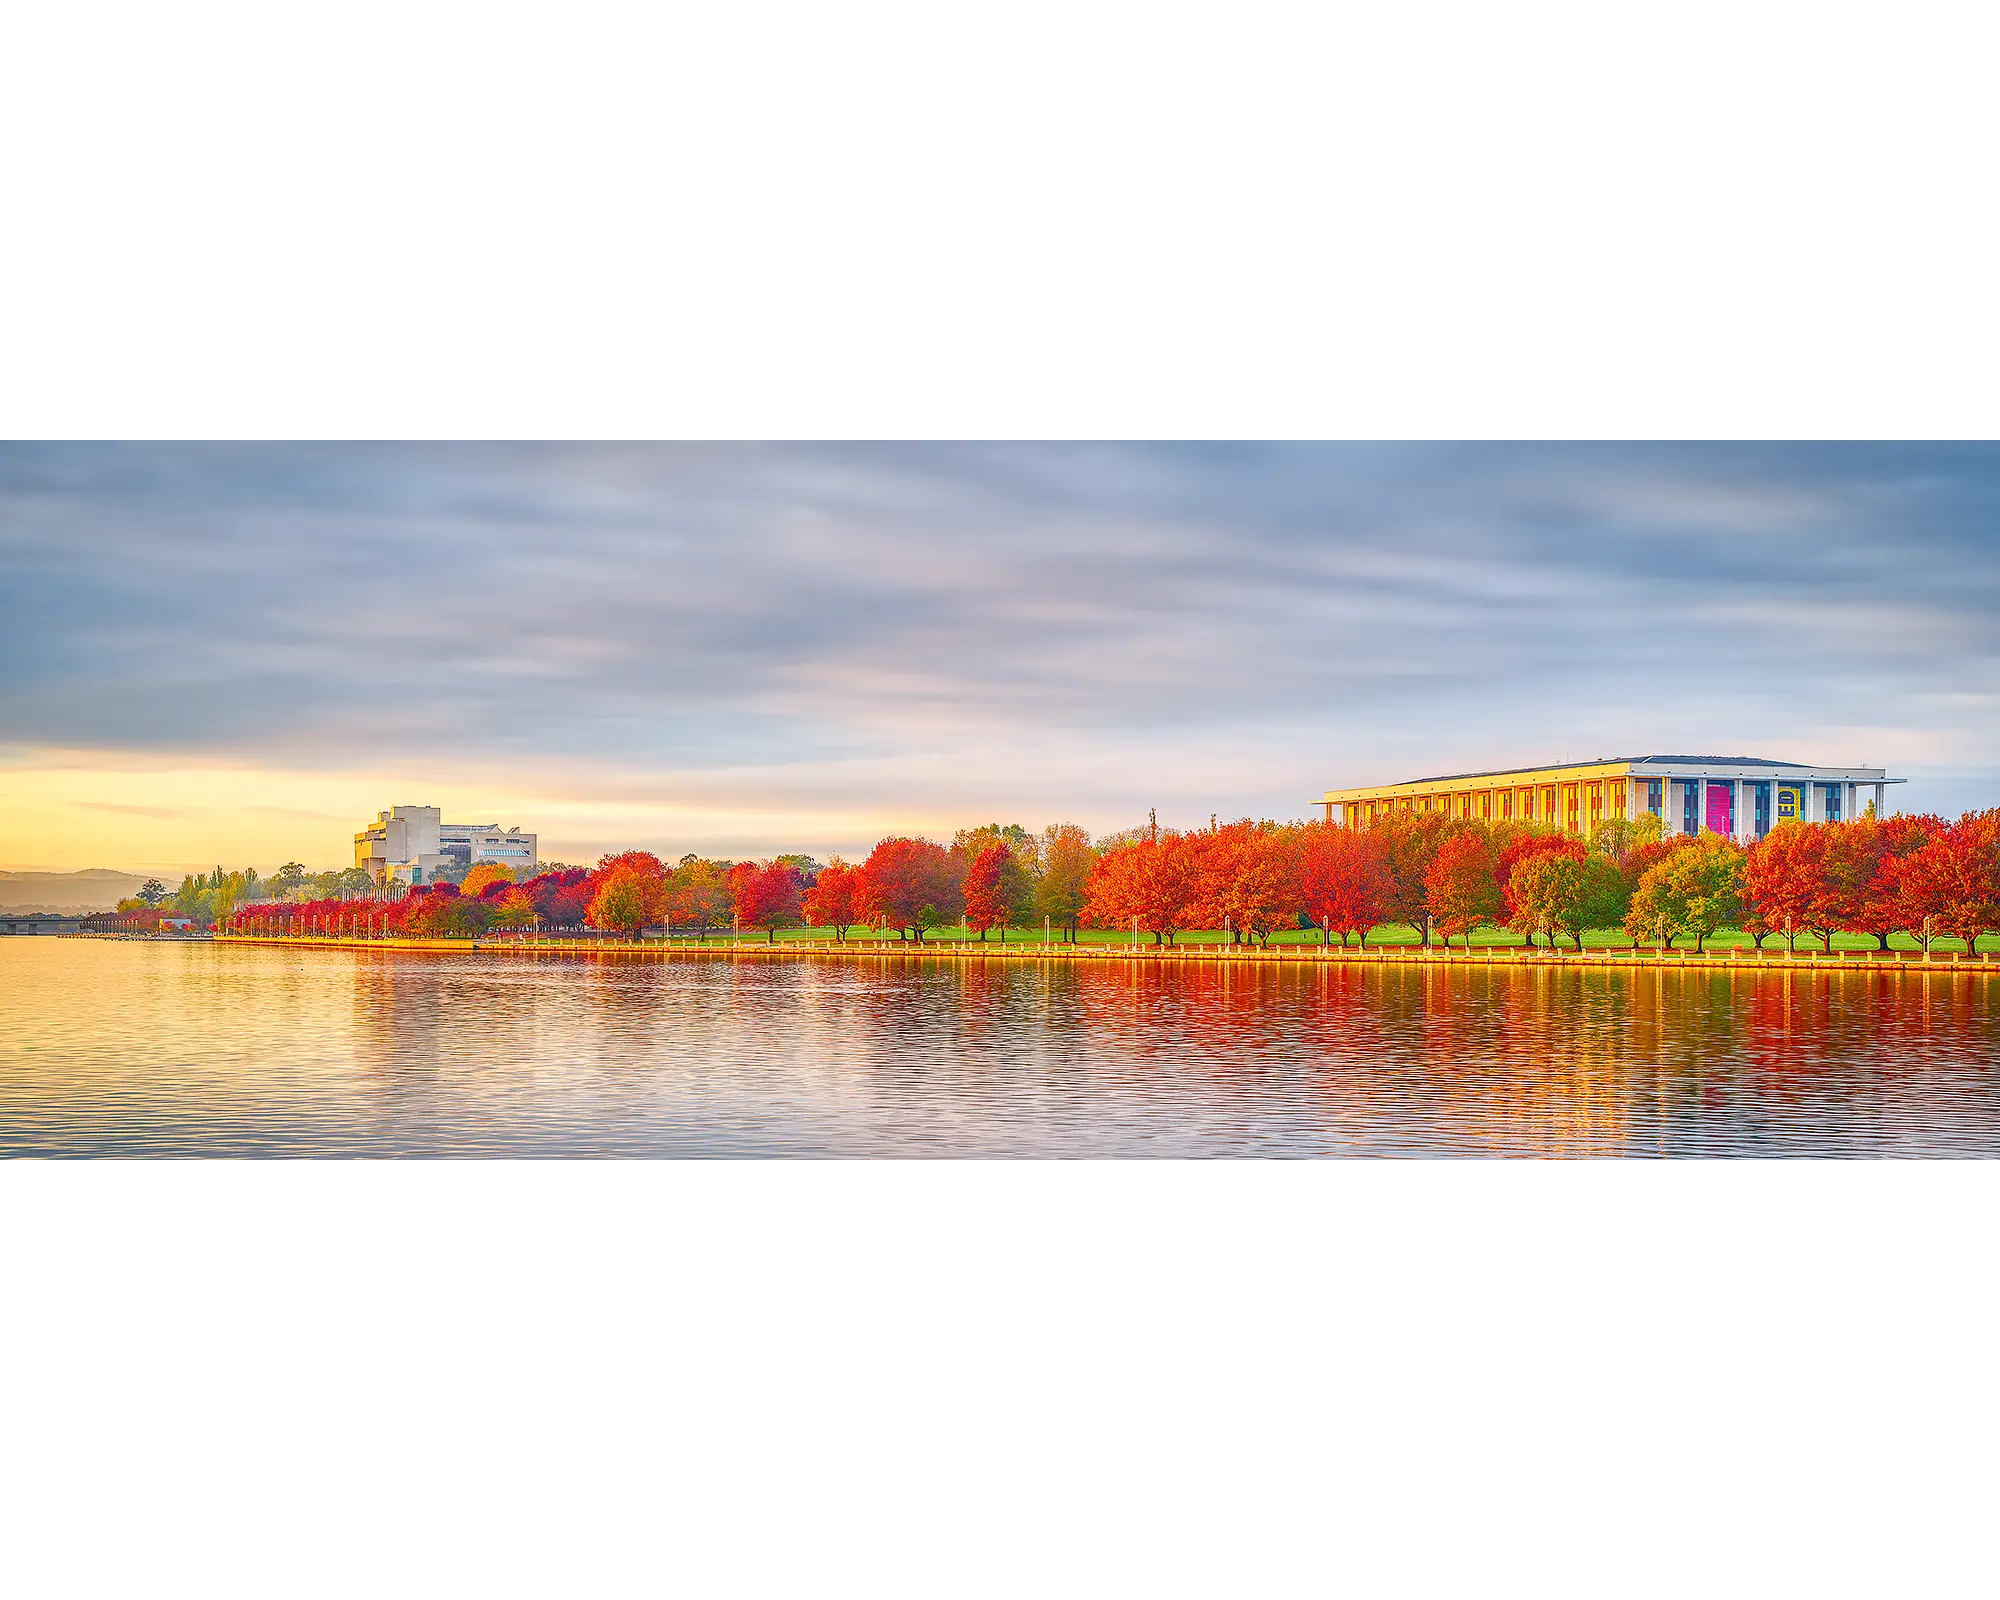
(1691, 893)
(515, 909)
(1606, 895)
(1151, 884)
(1526, 846)
(1951, 884)
(984, 893)
(1860, 862)
(483, 875)
(1460, 887)
(698, 892)
(1066, 859)
(628, 897)
(1020, 869)
(1245, 879)
(1410, 841)
(766, 895)
(911, 885)
(833, 901)
(1616, 838)
(1786, 888)
(1344, 883)
(1547, 894)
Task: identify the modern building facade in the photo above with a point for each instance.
(412, 844)
(1741, 796)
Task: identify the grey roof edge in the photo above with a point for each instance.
(1629, 761)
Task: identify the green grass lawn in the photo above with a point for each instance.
(1601, 939)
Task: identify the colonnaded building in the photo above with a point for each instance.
(410, 844)
(1742, 796)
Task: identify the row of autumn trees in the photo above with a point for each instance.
(1444, 877)
(1919, 875)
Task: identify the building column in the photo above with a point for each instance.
(1878, 800)
(1736, 809)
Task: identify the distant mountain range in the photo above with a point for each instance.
(97, 889)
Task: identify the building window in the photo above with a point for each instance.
(1654, 802)
(1832, 793)
(1690, 808)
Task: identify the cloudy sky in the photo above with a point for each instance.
(238, 654)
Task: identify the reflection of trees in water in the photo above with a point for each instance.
(225, 1049)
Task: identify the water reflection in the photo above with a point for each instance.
(131, 1048)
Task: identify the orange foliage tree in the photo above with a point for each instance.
(1151, 882)
(627, 898)
(483, 875)
(1245, 878)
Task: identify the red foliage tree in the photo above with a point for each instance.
(1344, 882)
(909, 885)
(1951, 883)
(985, 893)
(1460, 886)
(560, 898)
(834, 901)
(1860, 861)
(767, 895)
(1785, 881)
(1152, 882)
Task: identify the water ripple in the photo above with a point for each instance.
(141, 1049)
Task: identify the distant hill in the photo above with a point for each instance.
(97, 889)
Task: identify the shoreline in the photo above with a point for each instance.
(1986, 963)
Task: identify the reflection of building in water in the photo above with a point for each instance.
(411, 844)
(1742, 796)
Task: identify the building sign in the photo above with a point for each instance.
(1788, 804)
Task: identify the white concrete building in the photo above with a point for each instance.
(412, 844)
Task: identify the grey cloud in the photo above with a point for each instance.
(705, 609)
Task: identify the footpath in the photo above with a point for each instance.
(1982, 963)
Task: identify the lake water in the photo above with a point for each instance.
(216, 1050)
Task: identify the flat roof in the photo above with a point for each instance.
(1611, 761)
(1557, 771)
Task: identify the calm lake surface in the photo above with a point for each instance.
(227, 1050)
